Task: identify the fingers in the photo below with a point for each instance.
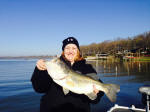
(95, 90)
(41, 64)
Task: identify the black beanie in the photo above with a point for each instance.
(70, 40)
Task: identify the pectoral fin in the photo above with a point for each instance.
(92, 96)
(66, 91)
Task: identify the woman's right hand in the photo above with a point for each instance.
(41, 64)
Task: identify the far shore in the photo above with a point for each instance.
(25, 57)
(88, 58)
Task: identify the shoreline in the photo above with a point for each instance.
(26, 57)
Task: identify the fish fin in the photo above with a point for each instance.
(112, 90)
(93, 76)
(66, 91)
(92, 95)
(70, 83)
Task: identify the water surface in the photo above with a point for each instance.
(17, 94)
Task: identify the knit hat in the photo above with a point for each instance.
(70, 40)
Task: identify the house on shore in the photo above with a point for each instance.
(102, 56)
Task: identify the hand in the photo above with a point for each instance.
(95, 90)
(41, 64)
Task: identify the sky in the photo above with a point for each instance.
(38, 27)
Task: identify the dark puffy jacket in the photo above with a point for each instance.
(54, 99)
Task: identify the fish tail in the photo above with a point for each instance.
(111, 90)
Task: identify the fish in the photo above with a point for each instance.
(78, 83)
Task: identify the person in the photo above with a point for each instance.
(54, 99)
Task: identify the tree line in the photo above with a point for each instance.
(141, 41)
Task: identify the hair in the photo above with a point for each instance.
(77, 58)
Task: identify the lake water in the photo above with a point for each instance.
(17, 94)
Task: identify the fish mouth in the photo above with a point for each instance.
(55, 60)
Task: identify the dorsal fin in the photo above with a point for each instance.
(93, 76)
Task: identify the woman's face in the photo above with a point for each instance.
(70, 52)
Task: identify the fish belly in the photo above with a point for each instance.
(76, 87)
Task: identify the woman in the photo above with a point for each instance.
(54, 99)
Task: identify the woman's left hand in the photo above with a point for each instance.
(95, 90)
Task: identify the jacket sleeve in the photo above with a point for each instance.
(41, 81)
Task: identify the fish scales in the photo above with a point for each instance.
(73, 81)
